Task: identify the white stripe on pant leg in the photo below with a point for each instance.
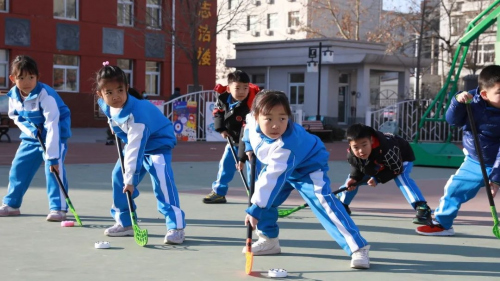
(161, 169)
(61, 176)
(404, 182)
(221, 165)
(117, 214)
(406, 188)
(318, 182)
(450, 180)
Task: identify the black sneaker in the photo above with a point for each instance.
(424, 214)
(214, 198)
(347, 209)
(110, 142)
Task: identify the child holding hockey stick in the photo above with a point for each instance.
(149, 138)
(233, 104)
(375, 158)
(466, 182)
(293, 159)
(37, 109)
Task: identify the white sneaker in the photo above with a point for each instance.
(174, 236)
(264, 246)
(119, 231)
(5, 211)
(360, 259)
(56, 216)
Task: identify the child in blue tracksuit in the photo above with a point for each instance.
(233, 104)
(149, 138)
(466, 182)
(291, 159)
(36, 109)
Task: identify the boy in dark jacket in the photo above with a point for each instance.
(233, 104)
(375, 158)
(466, 182)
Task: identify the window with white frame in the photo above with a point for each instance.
(297, 86)
(125, 13)
(232, 4)
(4, 69)
(457, 25)
(232, 34)
(153, 78)
(293, 19)
(4, 6)
(153, 14)
(66, 73)
(252, 22)
(485, 53)
(272, 21)
(66, 9)
(128, 67)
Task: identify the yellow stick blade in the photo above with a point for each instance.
(249, 263)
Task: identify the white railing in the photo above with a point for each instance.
(408, 114)
(201, 99)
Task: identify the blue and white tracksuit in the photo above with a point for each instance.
(149, 138)
(43, 108)
(466, 182)
(296, 160)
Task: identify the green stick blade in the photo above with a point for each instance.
(496, 227)
(73, 211)
(286, 212)
(140, 235)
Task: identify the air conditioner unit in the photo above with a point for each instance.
(256, 2)
(290, 30)
(269, 32)
(291, 0)
(255, 33)
(270, 1)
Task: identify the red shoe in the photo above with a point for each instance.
(435, 229)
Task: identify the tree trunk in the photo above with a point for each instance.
(196, 82)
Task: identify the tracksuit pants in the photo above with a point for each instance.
(460, 188)
(26, 162)
(405, 183)
(162, 177)
(315, 189)
(227, 169)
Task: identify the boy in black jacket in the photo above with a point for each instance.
(375, 158)
(233, 104)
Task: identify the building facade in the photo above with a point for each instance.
(455, 17)
(275, 20)
(70, 40)
(345, 93)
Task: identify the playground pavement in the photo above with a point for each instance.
(33, 249)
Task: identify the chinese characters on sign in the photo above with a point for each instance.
(204, 56)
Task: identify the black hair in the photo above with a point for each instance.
(23, 64)
(489, 76)
(133, 92)
(110, 73)
(238, 76)
(177, 89)
(359, 131)
(265, 101)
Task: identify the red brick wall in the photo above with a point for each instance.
(93, 16)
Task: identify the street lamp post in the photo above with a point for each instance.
(313, 53)
(318, 116)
